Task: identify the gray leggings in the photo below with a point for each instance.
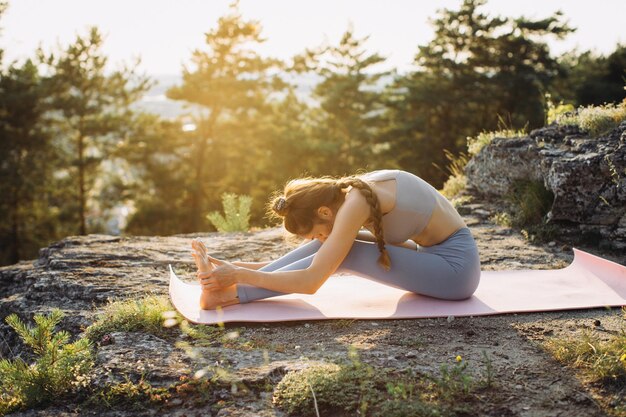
(449, 270)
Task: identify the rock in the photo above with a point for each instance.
(151, 357)
(587, 177)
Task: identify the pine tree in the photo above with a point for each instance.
(477, 72)
(230, 86)
(26, 160)
(588, 78)
(93, 108)
(58, 367)
(350, 101)
(157, 154)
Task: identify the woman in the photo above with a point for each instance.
(418, 241)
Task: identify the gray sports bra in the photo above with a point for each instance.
(415, 201)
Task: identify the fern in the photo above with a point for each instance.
(236, 216)
(59, 365)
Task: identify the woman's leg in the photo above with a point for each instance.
(302, 251)
(248, 293)
(428, 273)
(449, 270)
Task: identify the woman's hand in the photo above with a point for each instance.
(223, 275)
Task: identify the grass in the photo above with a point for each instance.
(595, 120)
(210, 336)
(456, 181)
(529, 202)
(502, 219)
(151, 314)
(454, 185)
(354, 387)
(476, 143)
(601, 362)
(128, 395)
(555, 111)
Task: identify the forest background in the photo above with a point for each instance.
(79, 156)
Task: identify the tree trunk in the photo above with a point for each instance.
(81, 183)
(15, 229)
(197, 199)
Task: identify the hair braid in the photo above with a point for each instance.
(375, 215)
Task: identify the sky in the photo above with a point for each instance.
(164, 33)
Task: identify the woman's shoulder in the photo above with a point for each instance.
(354, 203)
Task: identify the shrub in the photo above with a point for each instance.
(595, 119)
(531, 202)
(236, 216)
(59, 366)
(151, 314)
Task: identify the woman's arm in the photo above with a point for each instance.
(251, 265)
(349, 219)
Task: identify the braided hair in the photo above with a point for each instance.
(302, 197)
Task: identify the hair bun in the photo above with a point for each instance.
(280, 205)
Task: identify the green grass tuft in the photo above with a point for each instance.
(453, 185)
(456, 182)
(595, 119)
(554, 112)
(454, 381)
(128, 395)
(475, 144)
(601, 360)
(359, 388)
(502, 219)
(151, 314)
(334, 387)
(529, 202)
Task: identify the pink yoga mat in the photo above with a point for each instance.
(589, 281)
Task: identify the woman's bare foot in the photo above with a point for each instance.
(200, 256)
(211, 299)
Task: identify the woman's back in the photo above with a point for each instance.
(419, 212)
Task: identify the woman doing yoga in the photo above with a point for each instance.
(416, 241)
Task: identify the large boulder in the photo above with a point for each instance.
(586, 175)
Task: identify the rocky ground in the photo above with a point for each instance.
(79, 275)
